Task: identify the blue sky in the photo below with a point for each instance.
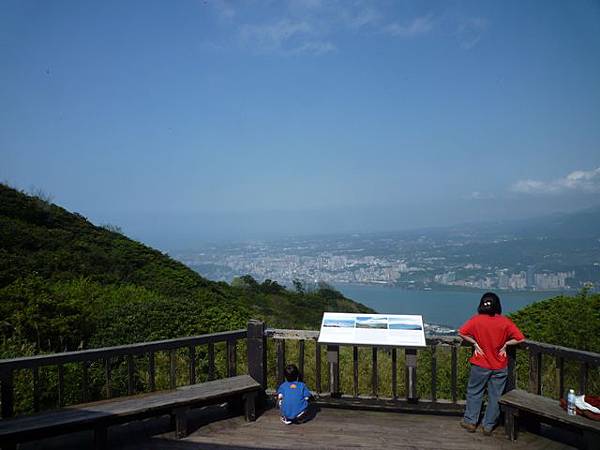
(196, 120)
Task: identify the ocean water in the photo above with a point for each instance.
(443, 307)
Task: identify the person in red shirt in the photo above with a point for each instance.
(490, 333)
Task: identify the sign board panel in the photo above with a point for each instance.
(372, 329)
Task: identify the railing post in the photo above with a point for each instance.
(231, 358)
(280, 350)
(6, 393)
(333, 358)
(318, 367)
(453, 372)
(374, 374)
(257, 352)
(411, 374)
(560, 377)
(535, 372)
(511, 379)
(433, 373)
(583, 377)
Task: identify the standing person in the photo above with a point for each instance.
(292, 396)
(490, 333)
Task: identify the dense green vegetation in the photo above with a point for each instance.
(66, 284)
(563, 320)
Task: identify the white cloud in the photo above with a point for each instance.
(579, 180)
(470, 31)
(315, 48)
(362, 18)
(224, 9)
(280, 36)
(476, 195)
(417, 27)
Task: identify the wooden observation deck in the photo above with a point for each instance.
(372, 398)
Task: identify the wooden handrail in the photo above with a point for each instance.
(106, 354)
(541, 347)
(29, 362)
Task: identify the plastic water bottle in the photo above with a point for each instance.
(571, 403)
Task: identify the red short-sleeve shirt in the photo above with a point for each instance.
(491, 333)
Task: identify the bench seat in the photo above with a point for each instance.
(100, 415)
(547, 410)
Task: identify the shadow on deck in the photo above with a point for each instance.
(213, 429)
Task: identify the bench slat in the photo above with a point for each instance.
(545, 407)
(128, 406)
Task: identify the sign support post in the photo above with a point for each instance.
(411, 374)
(333, 358)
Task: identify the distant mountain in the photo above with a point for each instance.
(67, 283)
(583, 224)
(577, 225)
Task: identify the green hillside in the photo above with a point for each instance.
(563, 320)
(66, 283)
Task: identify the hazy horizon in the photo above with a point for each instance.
(196, 121)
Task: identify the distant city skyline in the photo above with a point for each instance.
(202, 120)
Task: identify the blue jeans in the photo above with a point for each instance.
(495, 380)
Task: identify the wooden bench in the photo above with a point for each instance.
(516, 403)
(100, 415)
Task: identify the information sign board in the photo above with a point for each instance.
(372, 329)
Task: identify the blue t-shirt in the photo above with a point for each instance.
(295, 395)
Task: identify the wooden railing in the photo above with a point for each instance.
(84, 358)
(333, 394)
(538, 352)
(334, 371)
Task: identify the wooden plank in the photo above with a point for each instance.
(121, 350)
(535, 371)
(172, 369)
(433, 374)
(85, 381)
(453, 373)
(355, 370)
(545, 407)
(560, 377)
(103, 411)
(302, 335)
(231, 358)
(181, 422)
(333, 360)
(301, 357)
(107, 388)
(211, 361)
(374, 373)
(318, 367)
(583, 377)
(511, 379)
(151, 372)
(192, 364)
(381, 404)
(36, 388)
(410, 356)
(130, 375)
(280, 351)
(257, 352)
(61, 385)
(100, 437)
(394, 373)
(565, 352)
(6, 393)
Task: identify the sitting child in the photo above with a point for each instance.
(292, 396)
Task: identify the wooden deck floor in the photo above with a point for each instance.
(330, 429)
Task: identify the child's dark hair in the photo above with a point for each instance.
(489, 304)
(291, 373)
